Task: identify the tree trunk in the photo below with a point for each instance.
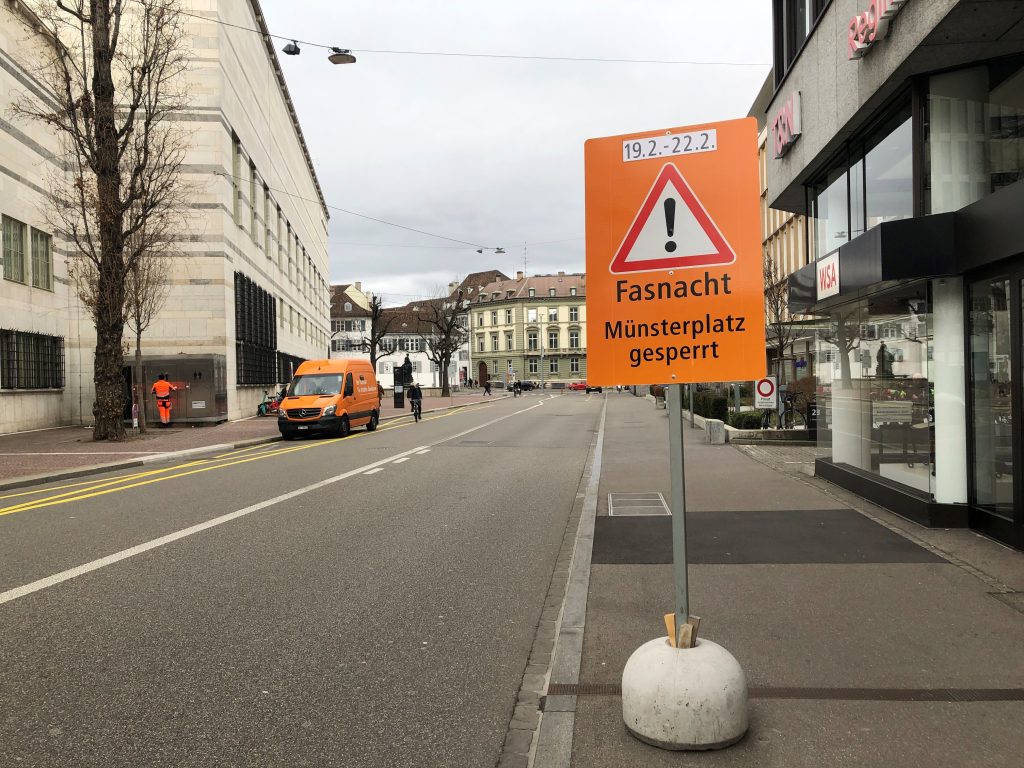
(445, 388)
(109, 357)
(140, 383)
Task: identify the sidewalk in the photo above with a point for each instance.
(70, 451)
(866, 640)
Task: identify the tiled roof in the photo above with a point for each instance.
(340, 295)
(542, 284)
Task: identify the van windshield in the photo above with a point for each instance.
(316, 384)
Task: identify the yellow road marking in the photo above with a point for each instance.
(105, 487)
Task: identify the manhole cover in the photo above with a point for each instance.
(637, 504)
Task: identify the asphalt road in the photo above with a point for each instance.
(369, 601)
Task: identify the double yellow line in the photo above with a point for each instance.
(93, 489)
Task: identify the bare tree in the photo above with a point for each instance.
(380, 323)
(443, 330)
(146, 288)
(843, 332)
(117, 74)
(779, 328)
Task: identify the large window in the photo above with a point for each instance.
(552, 339)
(876, 402)
(256, 360)
(793, 21)
(14, 250)
(574, 314)
(42, 261)
(574, 339)
(869, 183)
(974, 127)
(31, 361)
(531, 340)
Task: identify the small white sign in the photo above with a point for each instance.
(764, 394)
(198, 405)
(669, 145)
(828, 275)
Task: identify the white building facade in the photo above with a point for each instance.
(249, 296)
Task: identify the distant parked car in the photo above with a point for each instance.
(589, 388)
(577, 386)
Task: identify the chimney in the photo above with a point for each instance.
(519, 275)
(452, 287)
(359, 286)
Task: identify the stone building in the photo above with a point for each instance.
(249, 293)
(530, 328)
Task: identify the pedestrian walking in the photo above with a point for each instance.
(517, 388)
(487, 387)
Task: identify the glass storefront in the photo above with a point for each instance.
(876, 402)
(974, 129)
(992, 395)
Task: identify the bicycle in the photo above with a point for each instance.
(417, 409)
(790, 417)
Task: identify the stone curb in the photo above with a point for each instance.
(545, 739)
(26, 481)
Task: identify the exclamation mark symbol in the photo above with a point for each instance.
(670, 222)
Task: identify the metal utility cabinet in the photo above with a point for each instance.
(201, 384)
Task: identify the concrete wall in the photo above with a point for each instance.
(27, 156)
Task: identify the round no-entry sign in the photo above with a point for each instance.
(765, 391)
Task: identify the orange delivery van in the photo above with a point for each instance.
(330, 396)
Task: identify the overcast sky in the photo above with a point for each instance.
(490, 151)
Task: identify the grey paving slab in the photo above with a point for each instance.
(794, 734)
(874, 626)
(717, 476)
(792, 536)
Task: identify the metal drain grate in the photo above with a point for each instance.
(819, 694)
(637, 504)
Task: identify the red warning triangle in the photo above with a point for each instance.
(672, 229)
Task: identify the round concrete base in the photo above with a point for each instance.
(684, 698)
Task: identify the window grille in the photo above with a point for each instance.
(255, 334)
(31, 360)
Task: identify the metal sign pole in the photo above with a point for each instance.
(678, 473)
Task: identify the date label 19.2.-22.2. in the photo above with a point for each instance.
(669, 145)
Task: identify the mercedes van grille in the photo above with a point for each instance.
(303, 413)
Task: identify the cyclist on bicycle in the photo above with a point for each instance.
(415, 395)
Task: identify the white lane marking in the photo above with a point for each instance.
(124, 554)
(399, 461)
(374, 471)
(425, 450)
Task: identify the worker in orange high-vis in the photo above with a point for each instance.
(162, 390)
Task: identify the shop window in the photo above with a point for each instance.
(974, 129)
(875, 395)
(888, 172)
(871, 182)
(830, 212)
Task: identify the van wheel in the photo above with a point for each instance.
(343, 427)
(373, 422)
(287, 435)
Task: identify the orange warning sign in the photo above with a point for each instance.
(675, 290)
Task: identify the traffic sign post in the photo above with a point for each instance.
(675, 294)
(766, 394)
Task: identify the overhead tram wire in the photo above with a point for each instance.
(458, 54)
(365, 216)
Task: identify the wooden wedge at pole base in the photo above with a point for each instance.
(687, 631)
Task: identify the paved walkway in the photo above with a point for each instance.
(72, 448)
(866, 640)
